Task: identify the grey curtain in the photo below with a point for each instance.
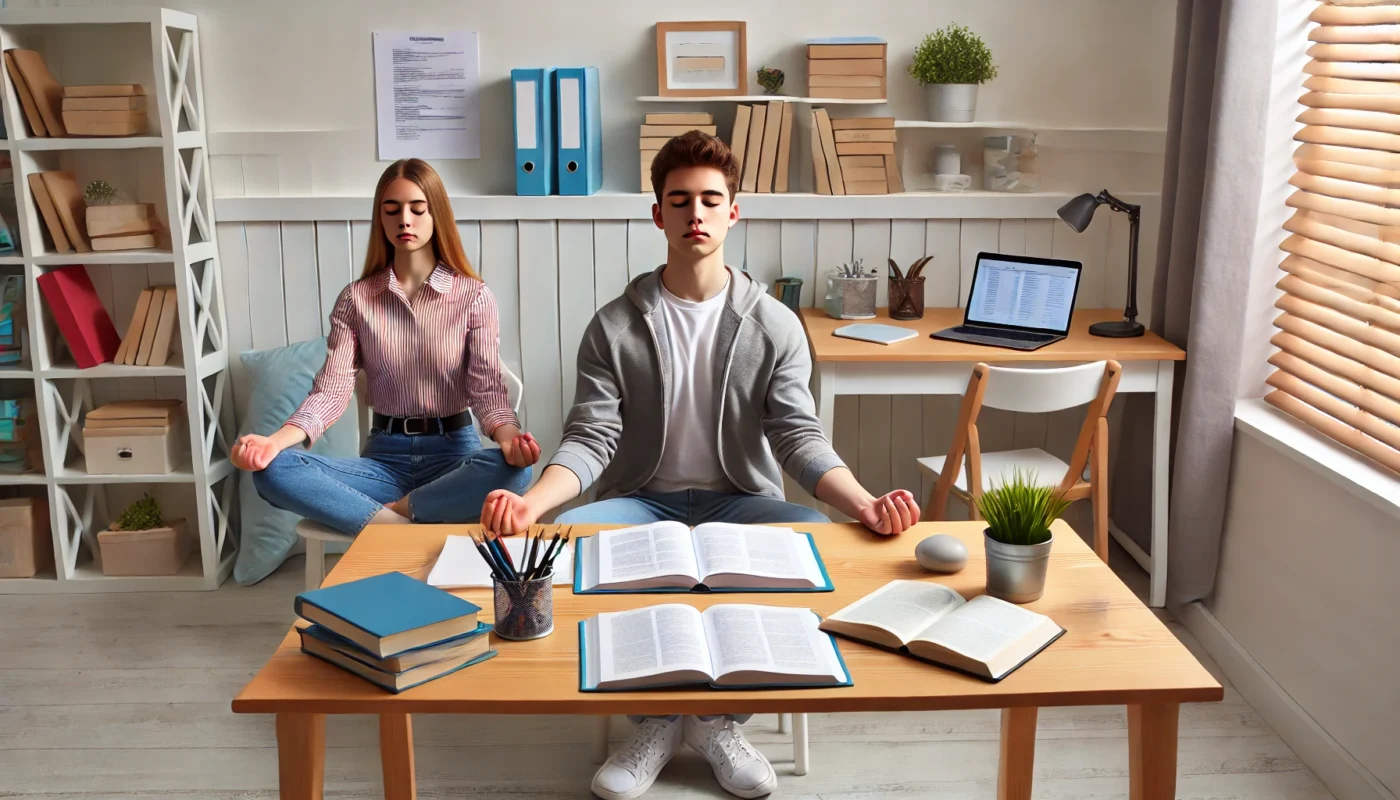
(1210, 203)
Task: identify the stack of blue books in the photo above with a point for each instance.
(11, 306)
(392, 630)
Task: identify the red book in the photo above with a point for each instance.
(85, 324)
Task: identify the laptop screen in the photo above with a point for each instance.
(1023, 293)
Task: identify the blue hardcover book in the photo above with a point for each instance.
(388, 614)
(467, 643)
(533, 97)
(807, 657)
(714, 557)
(579, 135)
(396, 682)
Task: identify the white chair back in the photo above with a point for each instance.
(1036, 391)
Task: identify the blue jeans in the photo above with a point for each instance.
(446, 478)
(692, 507)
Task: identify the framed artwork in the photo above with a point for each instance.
(697, 59)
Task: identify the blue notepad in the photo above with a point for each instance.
(685, 629)
(714, 557)
(875, 332)
(388, 614)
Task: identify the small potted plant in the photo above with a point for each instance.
(143, 542)
(1018, 514)
(951, 63)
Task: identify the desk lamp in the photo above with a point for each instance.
(1078, 213)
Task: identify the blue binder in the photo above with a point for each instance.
(579, 130)
(532, 92)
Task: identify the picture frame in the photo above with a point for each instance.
(702, 59)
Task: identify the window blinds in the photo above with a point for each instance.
(1337, 368)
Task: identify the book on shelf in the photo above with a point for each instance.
(45, 89)
(68, 202)
(52, 224)
(82, 320)
(402, 672)
(388, 614)
(714, 557)
(984, 637)
(26, 97)
(730, 646)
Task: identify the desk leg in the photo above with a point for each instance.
(825, 373)
(799, 744)
(1161, 474)
(396, 756)
(1152, 751)
(301, 755)
(1017, 763)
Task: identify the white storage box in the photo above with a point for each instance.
(134, 437)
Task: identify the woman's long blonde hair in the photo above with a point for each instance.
(447, 245)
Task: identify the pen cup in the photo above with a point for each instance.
(524, 609)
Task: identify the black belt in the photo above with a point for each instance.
(421, 426)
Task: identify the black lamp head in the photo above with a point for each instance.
(1079, 211)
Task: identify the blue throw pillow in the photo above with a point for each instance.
(279, 380)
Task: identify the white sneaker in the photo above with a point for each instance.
(738, 766)
(629, 772)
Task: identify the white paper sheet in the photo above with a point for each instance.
(460, 565)
(427, 94)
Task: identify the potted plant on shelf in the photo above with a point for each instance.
(143, 542)
(1018, 514)
(951, 63)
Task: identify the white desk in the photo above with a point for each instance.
(927, 366)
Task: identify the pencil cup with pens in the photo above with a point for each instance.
(524, 594)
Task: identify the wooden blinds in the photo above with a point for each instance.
(1337, 368)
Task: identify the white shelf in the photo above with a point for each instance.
(1029, 126)
(22, 479)
(76, 473)
(144, 256)
(12, 261)
(88, 578)
(35, 143)
(16, 373)
(762, 98)
(70, 370)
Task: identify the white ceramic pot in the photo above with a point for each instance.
(951, 102)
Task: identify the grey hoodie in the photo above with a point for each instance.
(616, 430)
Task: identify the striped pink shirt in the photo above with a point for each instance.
(432, 357)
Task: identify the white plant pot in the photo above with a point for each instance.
(951, 102)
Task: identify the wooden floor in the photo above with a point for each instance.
(127, 696)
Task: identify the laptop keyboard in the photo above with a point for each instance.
(1019, 336)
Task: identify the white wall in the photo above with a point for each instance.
(298, 76)
(1307, 586)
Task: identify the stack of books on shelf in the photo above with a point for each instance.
(61, 205)
(658, 129)
(762, 144)
(392, 630)
(847, 67)
(854, 156)
(19, 436)
(11, 309)
(151, 330)
(107, 110)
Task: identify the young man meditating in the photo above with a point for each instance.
(692, 394)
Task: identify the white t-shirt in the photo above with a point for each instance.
(690, 459)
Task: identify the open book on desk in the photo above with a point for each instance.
(736, 646)
(714, 557)
(983, 637)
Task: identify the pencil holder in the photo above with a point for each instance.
(524, 609)
(907, 298)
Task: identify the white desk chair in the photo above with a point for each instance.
(316, 534)
(1034, 391)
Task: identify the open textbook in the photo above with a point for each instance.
(726, 646)
(983, 637)
(715, 556)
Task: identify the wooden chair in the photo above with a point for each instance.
(1034, 391)
(317, 535)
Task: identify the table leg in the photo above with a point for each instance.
(799, 744)
(825, 396)
(301, 755)
(1017, 763)
(784, 723)
(1152, 751)
(1161, 473)
(600, 739)
(396, 756)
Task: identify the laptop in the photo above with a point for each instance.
(1020, 302)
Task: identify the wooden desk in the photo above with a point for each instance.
(927, 366)
(1115, 651)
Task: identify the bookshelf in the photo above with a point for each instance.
(158, 49)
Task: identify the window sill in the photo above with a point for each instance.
(1329, 460)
